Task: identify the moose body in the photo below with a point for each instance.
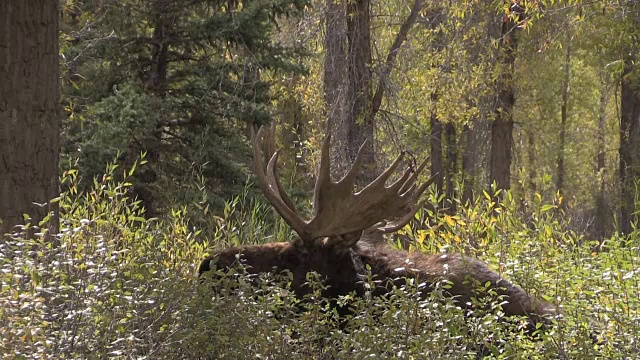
(343, 272)
(330, 244)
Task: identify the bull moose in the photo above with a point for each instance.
(334, 242)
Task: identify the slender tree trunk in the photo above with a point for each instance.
(293, 115)
(629, 143)
(531, 157)
(563, 118)
(436, 127)
(470, 161)
(601, 203)
(157, 76)
(29, 111)
(467, 164)
(437, 170)
(451, 165)
(502, 126)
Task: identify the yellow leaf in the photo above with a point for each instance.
(449, 220)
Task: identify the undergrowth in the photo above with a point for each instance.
(114, 284)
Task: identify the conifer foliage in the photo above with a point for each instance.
(177, 80)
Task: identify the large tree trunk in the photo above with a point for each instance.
(629, 143)
(29, 116)
(629, 129)
(351, 103)
(502, 126)
(335, 80)
(155, 80)
(501, 156)
(360, 125)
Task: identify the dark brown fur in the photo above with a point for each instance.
(341, 268)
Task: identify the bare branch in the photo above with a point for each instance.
(393, 53)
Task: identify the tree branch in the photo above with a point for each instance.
(391, 56)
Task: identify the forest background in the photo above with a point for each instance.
(531, 100)
(528, 111)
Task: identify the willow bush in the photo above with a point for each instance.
(114, 284)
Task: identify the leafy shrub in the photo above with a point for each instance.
(113, 284)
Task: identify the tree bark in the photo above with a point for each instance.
(360, 127)
(437, 170)
(29, 111)
(502, 126)
(351, 103)
(335, 81)
(501, 156)
(469, 161)
(629, 143)
(629, 127)
(563, 118)
(452, 165)
(157, 76)
(601, 202)
(531, 160)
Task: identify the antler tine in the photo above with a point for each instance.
(424, 187)
(324, 172)
(270, 157)
(414, 176)
(269, 182)
(397, 224)
(268, 149)
(403, 182)
(274, 180)
(350, 176)
(402, 197)
(337, 210)
(382, 179)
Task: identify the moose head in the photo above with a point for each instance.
(333, 243)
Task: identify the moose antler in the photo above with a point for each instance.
(337, 209)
